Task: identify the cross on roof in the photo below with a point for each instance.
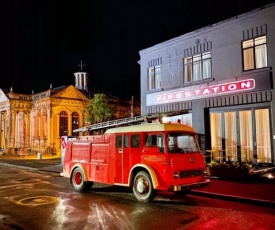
(81, 65)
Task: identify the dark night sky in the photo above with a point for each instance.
(44, 41)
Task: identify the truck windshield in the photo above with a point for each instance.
(182, 143)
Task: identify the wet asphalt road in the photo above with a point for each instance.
(33, 199)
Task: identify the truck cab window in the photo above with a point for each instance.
(151, 141)
(181, 143)
(126, 141)
(118, 141)
(155, 141)
(135, 141)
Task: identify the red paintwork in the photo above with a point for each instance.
(103, 162)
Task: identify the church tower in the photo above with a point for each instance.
(81, 78)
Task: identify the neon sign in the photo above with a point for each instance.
(201, 91)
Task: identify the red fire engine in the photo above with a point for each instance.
(147, 157)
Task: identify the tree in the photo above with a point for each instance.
(99, 109)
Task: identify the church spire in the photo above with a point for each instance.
(81, 65)
(81, 78)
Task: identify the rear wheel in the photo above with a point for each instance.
(78, 180)
(143, 187)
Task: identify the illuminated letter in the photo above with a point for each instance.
(215, 89)
(178, 95)
(197, 92)
(206, 91)
(187, 94)
(232, 87)
(245, 85)
(158, 98)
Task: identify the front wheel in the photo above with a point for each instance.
(143, 187)
(78, 180)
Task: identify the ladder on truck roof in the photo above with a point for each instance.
(113, 123)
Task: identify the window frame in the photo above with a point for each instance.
(252, 47)
(241, 156)
(63, 123)
(154, 77)
(75, 121)
(119, 141)
(196, 67)
(135, 141)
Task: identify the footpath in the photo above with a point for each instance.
(259, 189)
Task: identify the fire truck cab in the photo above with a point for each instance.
(147, 157)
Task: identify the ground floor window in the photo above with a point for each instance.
(262, 132)
(241, 135)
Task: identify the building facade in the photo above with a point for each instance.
(220, 80)
(35, 123)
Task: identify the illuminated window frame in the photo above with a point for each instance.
(254, 53)
(198, 67)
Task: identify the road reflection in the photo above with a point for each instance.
(92, 211)
(27, 203)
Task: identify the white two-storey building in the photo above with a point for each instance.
(220, 80)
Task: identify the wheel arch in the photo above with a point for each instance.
(78, 165)
(142, 167)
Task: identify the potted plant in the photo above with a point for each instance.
(229, 169)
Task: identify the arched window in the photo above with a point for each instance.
(75, 122)
(63, 124)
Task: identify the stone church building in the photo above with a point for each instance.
(34, 123)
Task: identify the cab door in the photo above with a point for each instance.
(121, 158)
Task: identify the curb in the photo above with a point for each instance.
(234, 198)
(20, 166)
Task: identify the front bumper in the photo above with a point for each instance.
(188, 187)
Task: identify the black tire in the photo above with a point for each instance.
(78, 180)
(143, 187)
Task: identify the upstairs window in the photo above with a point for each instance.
(197, 67)
(154, 77)
(254, 53)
